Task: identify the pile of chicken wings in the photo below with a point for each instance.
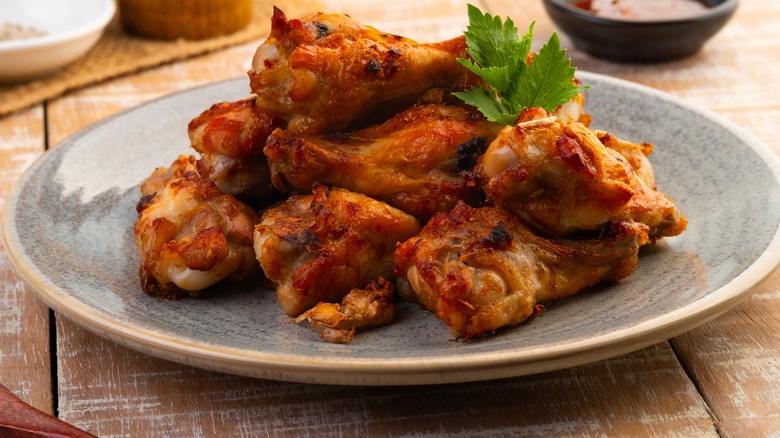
(352, 177)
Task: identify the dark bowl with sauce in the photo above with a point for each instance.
(633, 35)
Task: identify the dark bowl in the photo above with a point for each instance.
(639, 41)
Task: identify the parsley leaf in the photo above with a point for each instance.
(490, 104)
(498, 55)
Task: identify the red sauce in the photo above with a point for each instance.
(643, 10)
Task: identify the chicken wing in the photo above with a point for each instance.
(230, 137)
(189, 235)
(369, 307)
(319, 247)
(419, 161)
(560, 178)
(328, 71)
(635, 153)
(480, 269)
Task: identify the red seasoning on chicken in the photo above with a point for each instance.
(319, 247)
(330, 72)
(480, 269)
(560, 178)
(230, 137)
(190, 235)
(420, 161)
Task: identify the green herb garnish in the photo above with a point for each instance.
(499, 57)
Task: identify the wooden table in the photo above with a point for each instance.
(721, 379)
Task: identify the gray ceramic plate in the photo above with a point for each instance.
(68, 231)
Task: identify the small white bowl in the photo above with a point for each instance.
(71, 28)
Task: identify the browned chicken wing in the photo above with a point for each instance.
(319, 247)
(419, 161)
(230, 137)
(560, 178)
(369, 307)
(480, 269)
(189, 235)
(328, 71)
(635, 153)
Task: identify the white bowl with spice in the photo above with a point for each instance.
(39, 37)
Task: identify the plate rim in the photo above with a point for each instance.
(397, 371)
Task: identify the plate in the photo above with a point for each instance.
(68, 231)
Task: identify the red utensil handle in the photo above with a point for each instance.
(18, 419)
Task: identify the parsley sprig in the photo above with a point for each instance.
(498, 55)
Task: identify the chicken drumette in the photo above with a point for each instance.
(190, 235)
(230, 137)
(319, 247)
(560, 178)
(419, 161)
(329, 71)
(480, 269)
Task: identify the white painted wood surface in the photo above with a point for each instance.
(720, 379)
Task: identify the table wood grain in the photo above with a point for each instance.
(721, 379)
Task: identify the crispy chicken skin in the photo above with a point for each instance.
(319, 247)
(327, 71)
(635, 153)
(558, 177)
(419, 161)
(230, 137)
(480, 269)
(189, 235)
(369, 307)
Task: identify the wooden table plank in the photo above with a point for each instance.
(24, 320)
(735, 361)
(121, 392)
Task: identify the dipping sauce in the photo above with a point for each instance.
(643, 10)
